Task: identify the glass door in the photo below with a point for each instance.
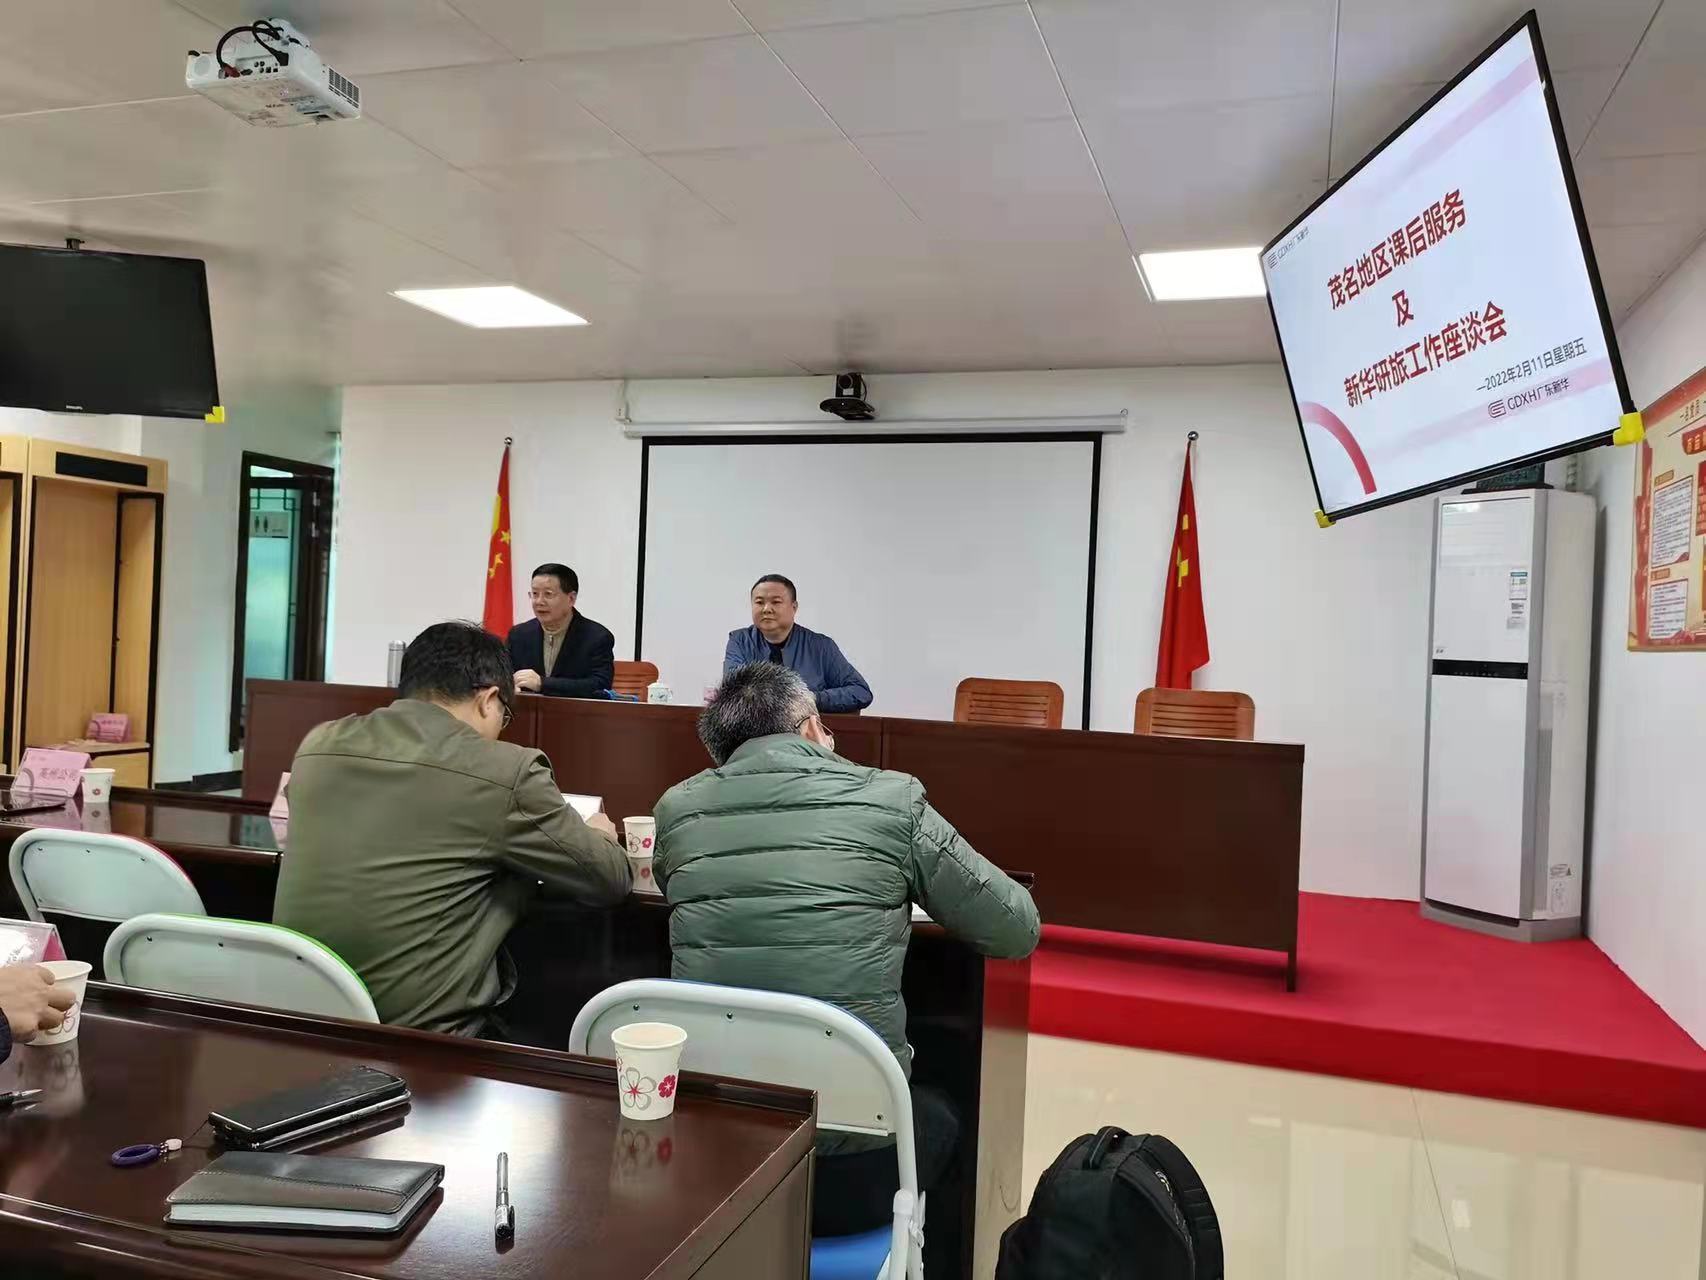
(283, 550)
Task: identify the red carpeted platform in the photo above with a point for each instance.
(1384, 995)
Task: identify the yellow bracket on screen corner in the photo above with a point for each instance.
(1323, 519)
(1630, 430)
(215, 415)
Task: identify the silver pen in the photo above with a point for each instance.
(505, 1221)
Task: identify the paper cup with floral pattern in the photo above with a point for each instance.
(74, 976)
(648, 1065)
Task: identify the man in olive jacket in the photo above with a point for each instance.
(417, 838)
(791, 869)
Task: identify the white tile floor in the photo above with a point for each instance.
(1321, 1178)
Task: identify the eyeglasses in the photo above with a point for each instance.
(827, 732)
(508, 711)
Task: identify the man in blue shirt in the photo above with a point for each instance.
(774, 637)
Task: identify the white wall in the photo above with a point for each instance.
(199, 570)
(418, 473)
(1647, 869)
(1325, 629)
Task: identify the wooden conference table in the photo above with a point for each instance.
(1189, 838)
(718, 1191)
(967, 1017)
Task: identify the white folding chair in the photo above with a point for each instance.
(97, 877)
(237, 962)
(797, 1041)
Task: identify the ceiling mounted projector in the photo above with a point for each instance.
(265, 74)
(849, 399)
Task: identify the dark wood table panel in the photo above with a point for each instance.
(1192, 838)
(595, 1196)
(631, 753)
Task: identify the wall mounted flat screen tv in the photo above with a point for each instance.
(86, 331)
(1439, 311)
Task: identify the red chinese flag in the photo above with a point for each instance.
(1184, 631)
(499, 615)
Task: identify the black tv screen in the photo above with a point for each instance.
(95, 332)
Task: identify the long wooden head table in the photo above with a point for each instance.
(1189, 838)
(967, 1017)
(720, 1190)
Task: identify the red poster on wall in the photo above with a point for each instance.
(1667, 591)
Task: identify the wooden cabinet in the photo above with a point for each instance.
(86, 587)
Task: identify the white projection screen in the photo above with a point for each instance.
(928, 560)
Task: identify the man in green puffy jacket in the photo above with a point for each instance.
(791, 869)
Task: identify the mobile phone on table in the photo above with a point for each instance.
(278, 1119)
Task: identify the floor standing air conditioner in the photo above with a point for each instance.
(1505, 784)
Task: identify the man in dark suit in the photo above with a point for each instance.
(562, 653)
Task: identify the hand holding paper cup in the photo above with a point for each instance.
(73, 975)
(648, 1066)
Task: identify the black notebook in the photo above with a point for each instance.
(263, 1190)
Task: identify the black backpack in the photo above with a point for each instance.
(1114, 1206)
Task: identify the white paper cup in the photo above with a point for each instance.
(648, 1065)
(73, 974)
(642, 869)
(640, 835)
(97, 786)
(659, 693)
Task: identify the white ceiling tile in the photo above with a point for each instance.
(493, 114)
(1227, 331)
(966, 228)
(1074, 315)
(321, 159)
(824, 187)
(1646, 189)
(368, 256)
(74, 53)
(1365, 113)
(933, 72)
(130, 224)
(754, 271)
(1013, 183)
(541, 28)
(368, 37)
(1632, 258)
(461, 217)
(694, 96)
(1117, 55)
(776, 15)
(1269, 162)
(1402, 42)
(629, 193)
(1658, 108)
(168, 145)
(1582, 95)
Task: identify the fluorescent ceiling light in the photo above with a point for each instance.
(1202, 273)
(492, 306)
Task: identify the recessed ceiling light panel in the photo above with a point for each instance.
(1194, 274)
(492, 306)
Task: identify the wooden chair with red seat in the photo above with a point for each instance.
(1196, 713)
(634, 678)
(1036, 703)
